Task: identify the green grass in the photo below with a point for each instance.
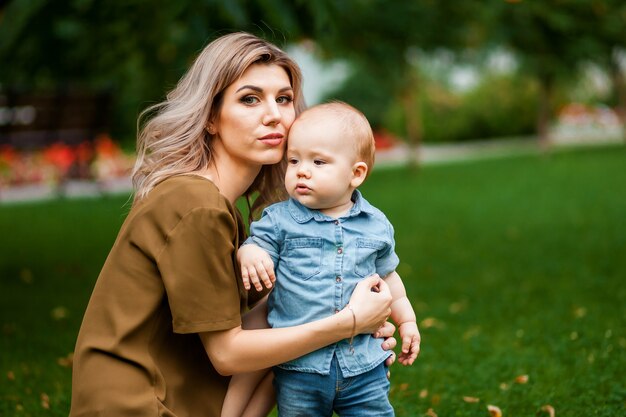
(514, 266)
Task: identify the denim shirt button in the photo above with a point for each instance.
(337, 310)
(340, 250)
(338, 279)
(336, 221)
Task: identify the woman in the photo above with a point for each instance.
(163, 325)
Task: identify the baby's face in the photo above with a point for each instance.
(320, 162)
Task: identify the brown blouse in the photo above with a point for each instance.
(171, 273)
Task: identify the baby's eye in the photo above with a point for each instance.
(292, 161)
(284, 99)
(249, 100)
(319, 162)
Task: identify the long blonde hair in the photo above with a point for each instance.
(174, 139)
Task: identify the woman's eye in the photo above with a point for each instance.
(249, 100)
(284, 99)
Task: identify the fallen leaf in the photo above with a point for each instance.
(504, 386)
(457, 307)
(548, 409)
(11, 376)
(471, 399)
(403, 387)
(45, 400)
(26, 276)
(471, 332)
(494, 411)
(429, 322)
(59, 313)
(580, 312)
(67, 361)
(430, 413)
(423, 393)
(521, 379)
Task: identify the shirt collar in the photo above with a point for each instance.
(302, 214)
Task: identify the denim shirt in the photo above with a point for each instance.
(318, 260)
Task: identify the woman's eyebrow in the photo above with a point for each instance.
(260, 90)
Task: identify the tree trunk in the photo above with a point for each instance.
(413, 116)
(543, 111)
(619, 84)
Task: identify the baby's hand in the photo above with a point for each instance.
(411, 340)
(256, 267)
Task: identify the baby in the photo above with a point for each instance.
(321, 242)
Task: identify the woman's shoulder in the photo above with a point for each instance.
(180, 203)
(189, 190)
(183, 194)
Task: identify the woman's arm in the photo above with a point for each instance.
(237, 350)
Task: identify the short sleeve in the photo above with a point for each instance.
(197, 268)
(263, 234)
(386, 260)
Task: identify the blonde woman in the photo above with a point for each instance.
(163, 328)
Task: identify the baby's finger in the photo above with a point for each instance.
(406, 344)
(415, 347)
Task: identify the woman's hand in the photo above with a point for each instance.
(386, 331)
(371, 304)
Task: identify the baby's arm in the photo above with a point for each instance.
(403, 315)
(256, 266)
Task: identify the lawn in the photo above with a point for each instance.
(516, 268)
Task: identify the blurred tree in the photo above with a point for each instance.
(135, 49)
(553, 38)
(608, 30)
(382, 39)
(139, 48)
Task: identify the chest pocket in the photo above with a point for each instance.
(304, 256)
(366, 254)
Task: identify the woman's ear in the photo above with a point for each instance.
(210, 127)
(359, 172)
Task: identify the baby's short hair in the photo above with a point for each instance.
(355, 126)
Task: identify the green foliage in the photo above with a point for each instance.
(514, 267)
(364, 90)
(498, 106)
(136, 50)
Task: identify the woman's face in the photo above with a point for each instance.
(256, 114)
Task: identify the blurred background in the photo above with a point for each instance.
(75, 74)
(513, 248)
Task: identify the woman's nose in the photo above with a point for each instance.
(272, 114)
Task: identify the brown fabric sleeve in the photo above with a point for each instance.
(197, 269)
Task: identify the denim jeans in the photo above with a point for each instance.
(302, 394)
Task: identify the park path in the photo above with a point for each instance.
(398, 155)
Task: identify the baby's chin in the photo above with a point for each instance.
(306, 202)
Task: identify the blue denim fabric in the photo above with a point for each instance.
(318, 260)
(301, 394)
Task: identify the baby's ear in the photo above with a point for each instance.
(359, 172)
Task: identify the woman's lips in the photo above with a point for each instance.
(273, 139)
